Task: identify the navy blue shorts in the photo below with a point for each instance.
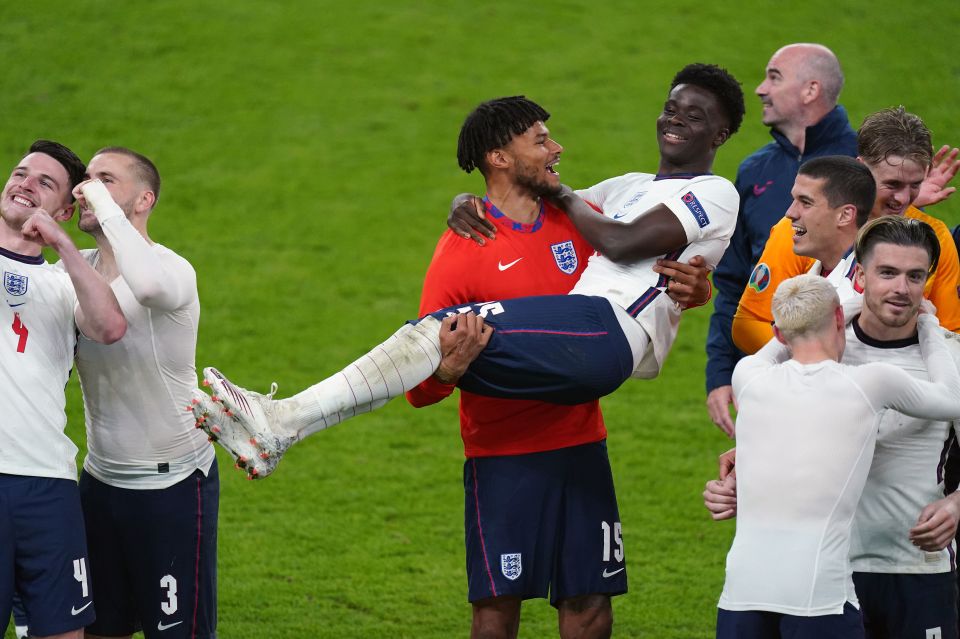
(543, 523)
(153, 554)
(757, 624)
(894, 605)
(564, 349)
(43, 554)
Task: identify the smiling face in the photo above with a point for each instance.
(892, 277)
(38, 182)
(781, 91)
(690, 129)
(898, 183)
(814, 221)
(534, 156)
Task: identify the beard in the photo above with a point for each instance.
(528, 178)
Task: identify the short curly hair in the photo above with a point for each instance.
(720, 83)
(492, 125)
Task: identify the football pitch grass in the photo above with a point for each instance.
(308, 157)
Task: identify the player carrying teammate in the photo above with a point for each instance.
(616, 323)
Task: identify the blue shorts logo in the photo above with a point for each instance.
(510, 565)
(696, 208)
(760, 278)
(565, 256)
(14, 283)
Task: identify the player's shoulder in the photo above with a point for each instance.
(171, 256)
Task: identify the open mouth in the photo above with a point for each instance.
(22, 201)
(799, 231)
(552, 168)
(673, 137)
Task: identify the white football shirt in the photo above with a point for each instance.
(805, 439)
(906, 473)
(37, 338)
(706, 206)
(135, 392)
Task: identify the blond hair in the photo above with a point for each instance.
(803, 305)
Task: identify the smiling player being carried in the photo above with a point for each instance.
(617, 322)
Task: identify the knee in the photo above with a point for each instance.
(588, 617)
(497, 618)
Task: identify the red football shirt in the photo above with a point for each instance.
(543, 258)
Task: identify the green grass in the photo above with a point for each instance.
(307, 151)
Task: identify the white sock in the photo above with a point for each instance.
(408, 357)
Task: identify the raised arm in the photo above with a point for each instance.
(656, 232)
(165, 283)
(98, 314)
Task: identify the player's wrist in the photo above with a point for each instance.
(104, 208)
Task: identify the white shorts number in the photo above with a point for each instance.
(934, 633)
(617, 541)
(80, 574)
(170, 605)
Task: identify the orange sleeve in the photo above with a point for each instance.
(941, 288)
(752, 323)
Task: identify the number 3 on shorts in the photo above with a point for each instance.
(170, 605)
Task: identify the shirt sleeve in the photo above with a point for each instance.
(597, 194)
(707, 208)
(942, 288)
(773, 352)
(158, 279)
(752, 323)
(441, 288)
(938, 398)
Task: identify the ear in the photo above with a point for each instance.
(722, 136)
(498, 159)
(779, 335)
(859, 276)
(64, 214)
(847, 215)
(812, 91)
(839, 319)
(145, 202)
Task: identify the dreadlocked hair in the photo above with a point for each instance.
(492, 125)
(720, 83)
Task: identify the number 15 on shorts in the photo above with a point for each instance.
(612, 539)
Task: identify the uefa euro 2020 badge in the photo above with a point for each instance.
(510, 565)
(15, 288)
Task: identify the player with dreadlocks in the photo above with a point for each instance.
(564, 349)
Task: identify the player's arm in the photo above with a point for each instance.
(750, 332)
(98, 314)
(938, 398)
(656, 232)
(165, 283)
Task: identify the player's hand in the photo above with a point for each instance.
(934, 188)
(468, 219)
(927, 307)
(727, 463)
(41, 228)
(937, 525)
(687, 284)
(462, 338)
(719, 401)
(720, 498)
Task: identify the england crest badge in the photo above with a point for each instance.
(15, 284)
(566, 256)
(510, 565)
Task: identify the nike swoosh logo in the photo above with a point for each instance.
(758, 190)
(162, 627)
(16, 305)
(607, 575)
(503, 267)
(617, 216)
(77, 611)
